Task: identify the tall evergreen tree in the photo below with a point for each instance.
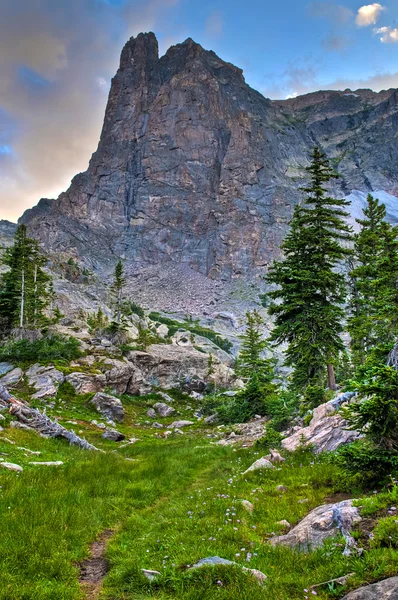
(24, 290)
(311, 291)
(119, 282)
(370, 249)
(251, 360)
(386, 284)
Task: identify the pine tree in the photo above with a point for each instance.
(311, 291)
(370, 247)
(386, 288)
(257, 371)
(119, 282)
(251, 360)
(24, 292)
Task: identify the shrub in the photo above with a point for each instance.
(365, 465)
(314, 396)
(376, 413)
(133, 308)
(271, 438)
(281, 408)
(47, 349)
(385, 533)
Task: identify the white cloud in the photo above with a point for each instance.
(388, 35)
(369, 14)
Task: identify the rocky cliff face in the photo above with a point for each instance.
(197, 171)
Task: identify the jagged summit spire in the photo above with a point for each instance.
(143, 48)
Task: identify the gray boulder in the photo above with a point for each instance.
(86, 384)
(246, 433)
(5, 367)
(151, 413)
(326, 432)
(382, 590)
(109, 406)
(163, 410)
(12, 377)
(45, 380)
(261, 463)
(113, 435)
(321, 523)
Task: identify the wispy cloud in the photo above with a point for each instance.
(54, 81)
(337, 13)
(369, 14)
(388, 35)
(310, 82)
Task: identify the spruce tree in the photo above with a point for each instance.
(251, 360)
(367, 264)
(386, 288)
(24, 290)
(308, 304)
(256, 371)
(119, 282)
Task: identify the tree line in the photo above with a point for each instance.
(330, 283)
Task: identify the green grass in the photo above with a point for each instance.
(171, 503)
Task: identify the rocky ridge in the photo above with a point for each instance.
(196, 175)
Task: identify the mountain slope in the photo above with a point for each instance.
(197, 172)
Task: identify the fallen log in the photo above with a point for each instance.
(39, 421)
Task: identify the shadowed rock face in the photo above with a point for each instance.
(194, 168)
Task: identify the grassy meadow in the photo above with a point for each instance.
(170, 502)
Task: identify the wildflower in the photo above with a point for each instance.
(219, 582)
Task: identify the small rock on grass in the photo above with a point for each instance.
(261, 463)
(179, 424)
(216, 560)
(11, 467)
(281, 488)
(149, 574)
(284, 523)
(54, 463)
(247, 505)
(113, 435)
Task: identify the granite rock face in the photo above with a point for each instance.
(388, 588)
(327, 430)
(321, 523)
(196, 170)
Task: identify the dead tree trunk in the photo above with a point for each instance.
(39, 421)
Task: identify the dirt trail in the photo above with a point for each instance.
(94, 568)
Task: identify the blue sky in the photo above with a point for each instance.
(57, 58)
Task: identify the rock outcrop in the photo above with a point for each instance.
(321, 523)
(385, 590)
(327, 430)
(197, 173)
